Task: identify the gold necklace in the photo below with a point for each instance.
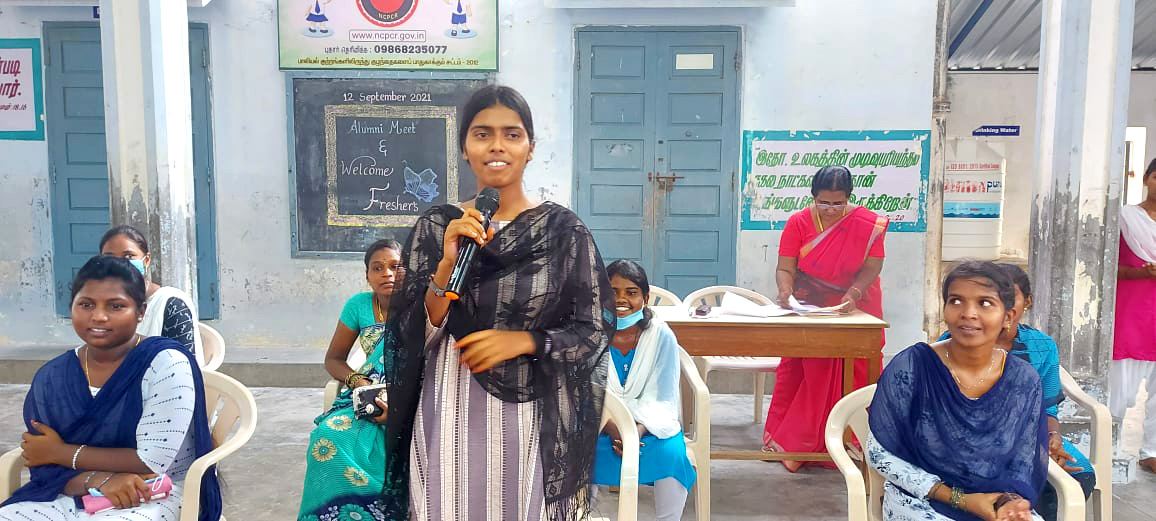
(819, 217)
(378, 312)
(88, 378)
(982, 379)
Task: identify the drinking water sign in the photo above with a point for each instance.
(889, 171)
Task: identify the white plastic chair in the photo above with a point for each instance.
(232, 414)
(1101, 445)
(615, 411)
(213, 345)
(696, 404)
(865, 499)
(329, 394)
(712, 296)
(662, 297)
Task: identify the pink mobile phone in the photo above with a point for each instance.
(95, 502)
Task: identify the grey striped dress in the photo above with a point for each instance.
(474, 457)
(455, 473)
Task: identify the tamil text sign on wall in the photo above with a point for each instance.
(889, 169)
(21, 99)
(389, 34)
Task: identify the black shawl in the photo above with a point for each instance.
(541, 273)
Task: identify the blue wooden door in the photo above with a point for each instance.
(656, 150)
(614, 146)
(697, 163)
(74, 99)
(204, 199)
(74, 104)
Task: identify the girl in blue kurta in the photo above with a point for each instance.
(645, 356)
(1039, 350)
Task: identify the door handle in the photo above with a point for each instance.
(650, 176)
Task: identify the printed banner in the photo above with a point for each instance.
(21, 98)
(889, 169)
(389, 34)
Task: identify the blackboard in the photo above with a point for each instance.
(371, 155)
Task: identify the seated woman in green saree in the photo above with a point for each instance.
(345, 461)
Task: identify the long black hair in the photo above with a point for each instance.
(996, 279)
(834, 178)
(491, 96)
(133, 235)
(103, 267)
(1148, 171)
(634, 272)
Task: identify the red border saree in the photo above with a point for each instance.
(807, 388)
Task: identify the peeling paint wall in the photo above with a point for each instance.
(820, 65)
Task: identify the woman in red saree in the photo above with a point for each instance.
(830, 254)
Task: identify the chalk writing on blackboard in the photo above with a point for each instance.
(380, 167)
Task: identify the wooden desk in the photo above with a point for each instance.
(852, 336)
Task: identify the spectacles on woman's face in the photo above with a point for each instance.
(831, 206)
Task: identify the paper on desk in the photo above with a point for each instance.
(732, 304)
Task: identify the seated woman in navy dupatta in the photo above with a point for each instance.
(1037, 348)
(958, 427)
(112, 413)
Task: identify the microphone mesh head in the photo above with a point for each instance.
(487, 201)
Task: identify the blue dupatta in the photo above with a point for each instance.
(996, 443)
(1037, 348)
(60, 398)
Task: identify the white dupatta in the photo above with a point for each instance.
(153, 321)
(1139, 231)
(651, 390)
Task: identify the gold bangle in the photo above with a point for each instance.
(858, 292)
(353, 377)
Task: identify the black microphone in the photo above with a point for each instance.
(487, 204)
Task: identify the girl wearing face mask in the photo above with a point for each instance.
(169, 311)
(644, 360)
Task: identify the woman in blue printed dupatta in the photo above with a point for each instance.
(958, 428)
(346, 459)
(1038, 349)
(114, 412)
(645, 356)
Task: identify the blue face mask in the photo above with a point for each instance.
(138, 264)
(629, 320)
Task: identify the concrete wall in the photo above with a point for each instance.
(1009, 98)
(824, 64)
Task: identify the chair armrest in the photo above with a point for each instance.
(853, 478)
(615, 411)
(1069, 494)
(11, 463)
(1101, 428)
(701, 399)
(330, 394)
(192, 493)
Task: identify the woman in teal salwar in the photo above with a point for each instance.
(345, 460)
